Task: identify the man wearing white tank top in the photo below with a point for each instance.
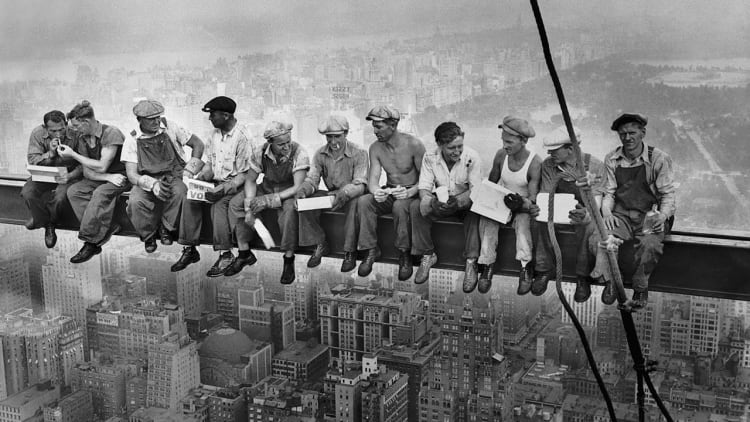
(518, 169)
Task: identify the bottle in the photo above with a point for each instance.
(652, 216)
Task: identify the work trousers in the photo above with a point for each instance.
(544, 256)
(222, 222)
(421, 230)
(46, 201)
(286, 217)
(146, 211)
(311, 233)
(647, 248)
(94, 205)
(369, 210)
(489, 235)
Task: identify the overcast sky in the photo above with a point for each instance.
(31, 28)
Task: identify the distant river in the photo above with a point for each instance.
(736, 62)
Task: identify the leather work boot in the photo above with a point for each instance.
(50, 237)
(221, 264)
(405, 266)
(349, 262)
(165, 237)
(640, 300)
(287, 275)
(423, 272)
(608, 294)
(240, 262)
(470, 275)
(583, 289)
(365, 267)
(150, 244)
(485, 278)
(189, 255)
(317, 255)
(539, 285)
(87, 252)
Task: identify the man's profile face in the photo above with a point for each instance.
(631, 136)
(561, 155)
(382, 130)
(55, 130)
(512, 144)
(218, 118)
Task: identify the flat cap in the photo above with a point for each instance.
(517, 126)
(220, 103)
(629, 118)
(558, 138)
(148, 109)
(333, 125)
(383, 112)
(276, 128)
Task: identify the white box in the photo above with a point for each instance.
(488, 201)
(197, 189)
(48, 174)
(315, 203)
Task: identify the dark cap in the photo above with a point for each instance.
(629, 118)
(220, 103)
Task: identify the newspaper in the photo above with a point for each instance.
(197, 189)
(488, 201)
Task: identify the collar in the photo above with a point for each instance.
(162, 128)
(644, 154)
(98, 130)
(347, 150)
(461, 158)
(269, 153)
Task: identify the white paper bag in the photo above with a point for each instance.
(564, 203)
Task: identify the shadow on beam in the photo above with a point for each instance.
(694, 263)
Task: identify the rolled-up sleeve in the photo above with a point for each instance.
(302, 160)
(610, 182)
(664, 183)
(255, 162)
(242, 153)
(361, 166)
(129, 152)
(313, 176)
(427, 174)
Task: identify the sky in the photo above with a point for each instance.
(34, 28)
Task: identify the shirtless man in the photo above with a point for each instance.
(400, 155)
(517, 169)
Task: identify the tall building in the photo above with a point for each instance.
(173, 369)
(385, 397)
(127, 328)
(441, 284)
(70, 288)
(227, 405)
(348, 396)
(264, 319)
(356, 320)
(185, 288)
(609, 330)
(468, 380)
(228, 358)
(135, 394)
(106, 382)
(76, 407)
(301, 293)
(586, 312)
(15, 289)
(37, 348)
(705, 324)
(26, 404)
(515, 313)
(301, 362)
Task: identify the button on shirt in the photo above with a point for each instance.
(300, 160)
(39, 149)
(350, 167)
(228, 154)
(462, 177)
(177, 134)
(659, 175)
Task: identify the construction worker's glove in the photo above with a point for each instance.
(513, 201)
(339, 199)
(260, 203)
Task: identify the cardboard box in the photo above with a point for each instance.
(316, 203)
(197, 189)
(48, 174)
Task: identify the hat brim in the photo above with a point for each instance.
(375, 118)
(511, 130)
(554, 147)
(335, 132)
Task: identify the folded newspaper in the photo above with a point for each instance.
(197, 189)
(487, 201)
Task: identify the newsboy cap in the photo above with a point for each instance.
(276, 128)
(558, 138)
(148, 109)
(220, 103)
(333, 125)
(517, 126)
(383, 112)
(629, 118)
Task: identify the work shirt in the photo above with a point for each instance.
(349, 168)
(103, 136)
(39, 152)
(177, 134)
(551, 171)
(659, 175)
(462, 177)
(299, 157)
(228, 153)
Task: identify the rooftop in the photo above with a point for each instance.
(300, 351)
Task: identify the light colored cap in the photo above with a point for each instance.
(558, 138)
(276, 128)
(383, 112)
(148, 109)
(517, 126)
(333, 125)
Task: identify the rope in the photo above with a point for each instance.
(627, 317)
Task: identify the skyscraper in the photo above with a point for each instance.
(266, 320)
(185, 288)
(173, 369)
(15, 290)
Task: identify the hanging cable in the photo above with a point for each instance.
(625, 311)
